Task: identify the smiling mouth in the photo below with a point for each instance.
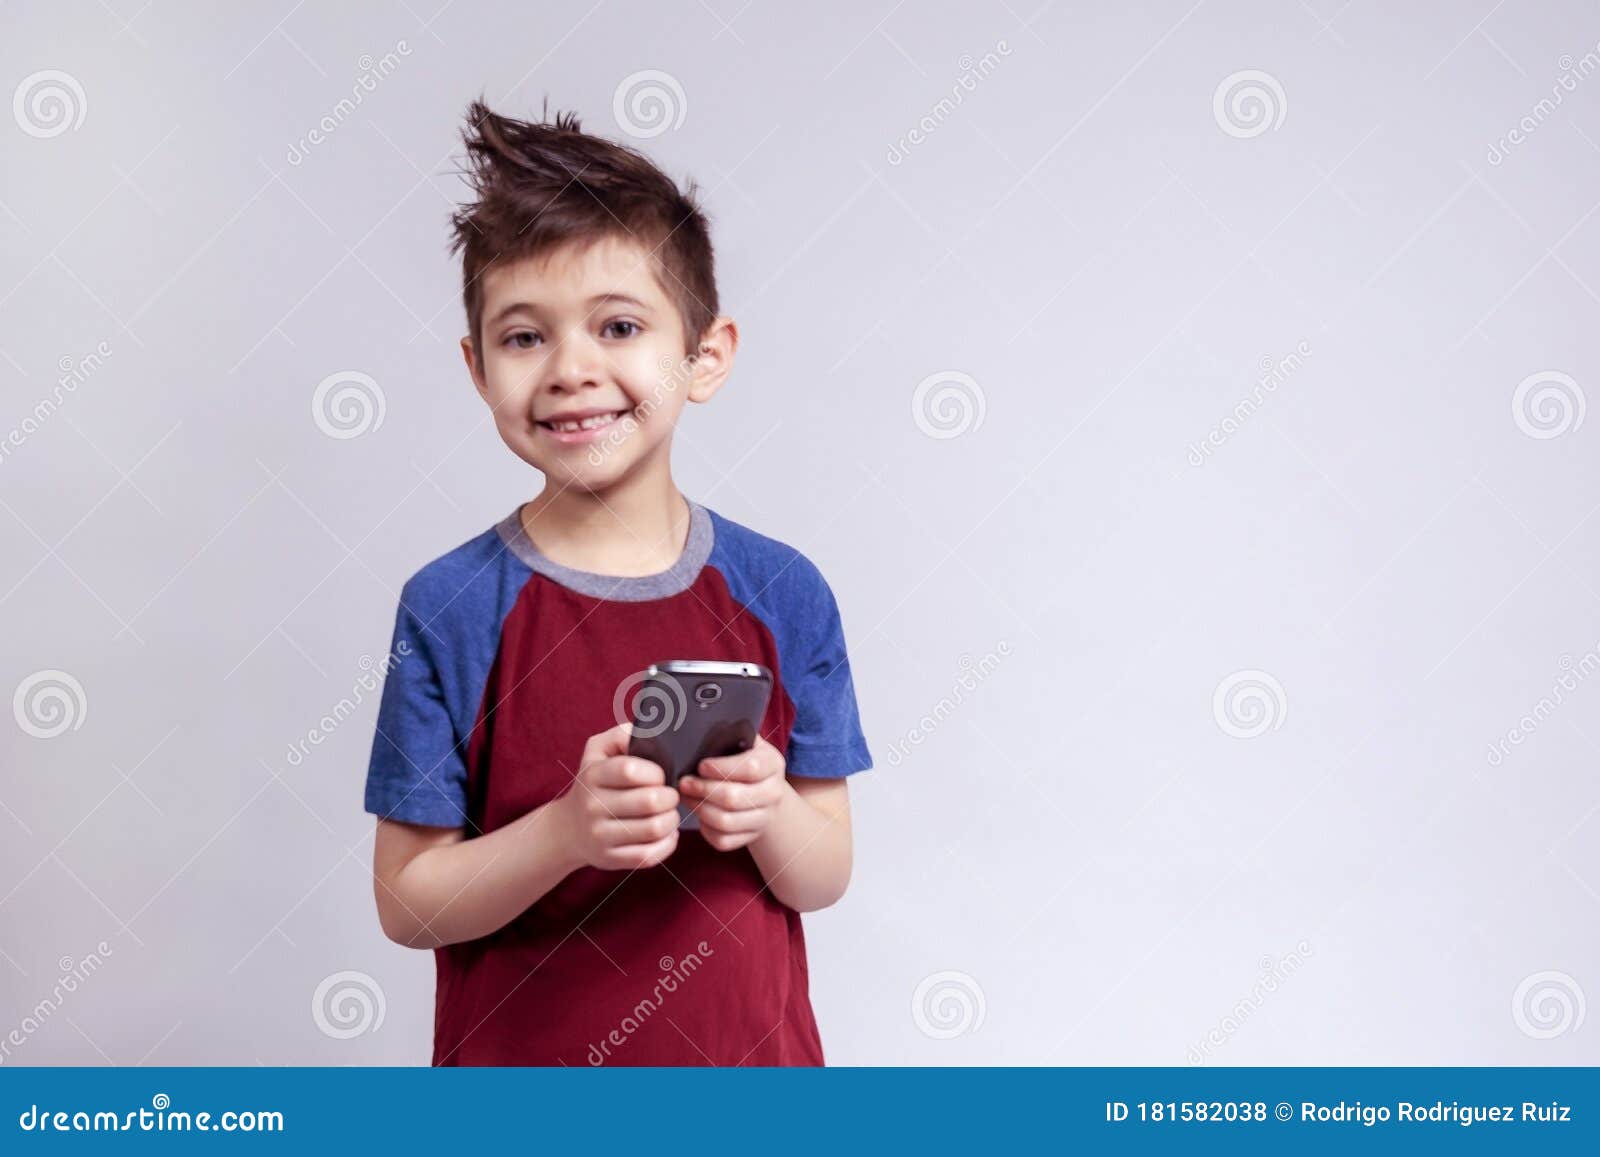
(593, 422)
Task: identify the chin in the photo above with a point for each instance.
(592, 469)
(583, 475)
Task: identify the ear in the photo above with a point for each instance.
(474, 366)
(714, 359)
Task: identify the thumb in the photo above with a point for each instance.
(613, 741)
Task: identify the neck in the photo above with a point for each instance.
(638, 527)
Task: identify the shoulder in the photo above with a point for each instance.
(760, 568)
(460, 584)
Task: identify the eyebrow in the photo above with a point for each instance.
(594, 303)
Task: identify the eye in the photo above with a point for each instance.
(522, 339)
(621, 327)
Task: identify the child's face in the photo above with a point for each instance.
(587, 332)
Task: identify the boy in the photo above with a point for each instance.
(572, 922)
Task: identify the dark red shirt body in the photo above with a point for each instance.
(511, 662)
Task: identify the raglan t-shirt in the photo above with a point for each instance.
(504, 663)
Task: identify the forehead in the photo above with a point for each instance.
(574, 273)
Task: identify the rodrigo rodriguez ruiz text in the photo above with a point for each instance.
(1438, 1113)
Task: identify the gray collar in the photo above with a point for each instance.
(625, 588)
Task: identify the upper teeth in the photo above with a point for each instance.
(585, 424)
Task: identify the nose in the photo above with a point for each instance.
(574, 363)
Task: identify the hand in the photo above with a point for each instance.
(618, 814)
(737, 795)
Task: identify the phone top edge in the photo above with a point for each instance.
(709, 667)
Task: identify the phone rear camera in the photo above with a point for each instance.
(708, 693)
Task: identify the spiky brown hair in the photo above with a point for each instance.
(541, 185)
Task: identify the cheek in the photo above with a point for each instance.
(659, 380)
(665, 414)
(508, 379)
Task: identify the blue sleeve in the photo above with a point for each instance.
(418, 771)
(826, 741)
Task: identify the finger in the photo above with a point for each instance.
(636, 802)
(619, 833)
(734, 796)
(728, 822)
(636, 856)
(623, 771)
(608, 743)
(745, 766)
(729, 841)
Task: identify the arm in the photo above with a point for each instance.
(805, 855)
(435, 887)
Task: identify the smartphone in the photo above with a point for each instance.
(686, 710)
